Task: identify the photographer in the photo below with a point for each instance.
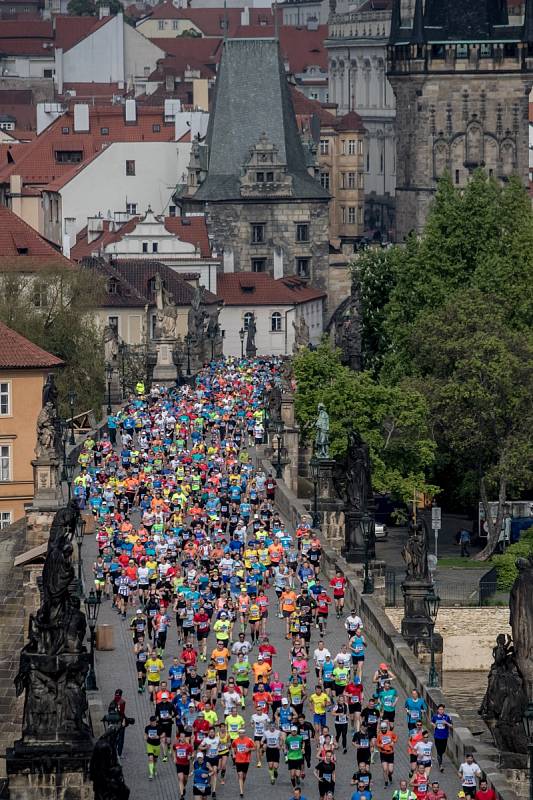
(116, 715)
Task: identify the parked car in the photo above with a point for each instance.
(381, 531)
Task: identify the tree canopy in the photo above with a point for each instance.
(392, 420)
(57, 313)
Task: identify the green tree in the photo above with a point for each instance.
(90, 8)
(57, 313)
(476, 372)
(392, 420)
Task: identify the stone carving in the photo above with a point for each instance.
(251, 348)
(358, 474)
(274, 403)
(521, 620)
(504, 702)
(286, 375)
(110, 344)
(301, 334)
(166, 314)
(54, 662)
(415, 552)
(48, 427)
(197, 316)
(322, 432)
(347, 323)
(105, 771)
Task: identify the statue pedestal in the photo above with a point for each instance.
(354, 542)
(415, 624)
(39, 772)
(116, 389)
(47, 487)
(165, 371)
(325, 480)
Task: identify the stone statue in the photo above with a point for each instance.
(504, 702)
(286, 375)
(197, 316)
(346, 324)
(54, 662)
(110, 344)
(50, 393)
(521, 620)
(251, 348)
(322, 432)
(166, 313)
(274, 403)
(415, 552)
(301, 334)
(358, 474)
(105, 770)
(46, 432)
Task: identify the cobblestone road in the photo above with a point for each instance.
(116, 669)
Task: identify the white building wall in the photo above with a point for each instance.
(269, 342)
(103, 186)
(140, 54)
(99, 57)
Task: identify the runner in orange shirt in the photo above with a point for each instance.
(386, 742)
(288, 605)
(243, 748)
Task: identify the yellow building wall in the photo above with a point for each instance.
(18, 432)
(165, 29)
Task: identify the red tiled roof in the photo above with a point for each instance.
(263, 290)
(186, 52)
(188, 229)
(71, 30)
(209, 20)
(84, 91)
(27, 47)
(37, 163)
(16, 352)
(20, 245)
(305, 108)
(26, 29)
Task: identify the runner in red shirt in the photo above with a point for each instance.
(419, 783)
(189, 656)
(484, 793)
(242, 748)
(202, 625)
(338, 584)
(354, 697)
(183, 752)
(323, 602)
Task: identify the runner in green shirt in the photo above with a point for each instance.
(293, 745)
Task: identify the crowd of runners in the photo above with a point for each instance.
(188, 536)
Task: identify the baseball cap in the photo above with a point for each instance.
(383, 665)
(294, 728)
(284, 701)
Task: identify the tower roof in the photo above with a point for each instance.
(527, 34)
(417, 36)
(460, 20)
(252, 99)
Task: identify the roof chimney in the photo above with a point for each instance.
(103, 11)
(81, 118)
(245, 16)
(131, 110)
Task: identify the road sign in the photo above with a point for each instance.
(436, 518)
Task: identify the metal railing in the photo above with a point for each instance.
(451, 593)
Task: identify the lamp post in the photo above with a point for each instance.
(212, 335)
(109, 375)
(92, 607)
(242, 334)
(79, 534)
(277, 426)
(188, 345)
(68, 470)
(122, 347)
(366, 528)
(431, 606)
(527, 719)
(72, 402)
(176, 358)
(314, 469)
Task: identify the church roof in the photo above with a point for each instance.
(252, 98)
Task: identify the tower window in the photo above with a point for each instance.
(258, 264)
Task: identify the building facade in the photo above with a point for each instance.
(23, 371)
(253, 176)
(357, 52)
(462, 82)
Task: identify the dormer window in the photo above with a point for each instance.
(260, 177)
(112, 286)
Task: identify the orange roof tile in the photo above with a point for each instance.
(17, 352)
(71, 30)
(22, 249)
(188, 229)
(260, 288)
(37, 161)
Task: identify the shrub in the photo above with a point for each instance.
(505, 563)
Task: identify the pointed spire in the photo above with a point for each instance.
(396, 22)
(527, 33)
(417, 36)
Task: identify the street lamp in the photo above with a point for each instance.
(527, 720)
(188, 345)
(212, 334)
(314, 469)
(366, 527)
(109, 374)
(68, 471)
(92, 607)
(277, 427)
(72, 402)
(242, 334)
(431, 606)
(122, 348)
(79, 534)
(176, 358)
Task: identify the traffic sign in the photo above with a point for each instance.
(436, 518)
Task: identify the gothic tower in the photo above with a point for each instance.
(462, 76)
